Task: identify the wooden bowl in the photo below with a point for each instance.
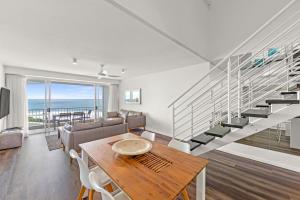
(132, 147)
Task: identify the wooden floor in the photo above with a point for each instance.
(33, 172)
(268, 139)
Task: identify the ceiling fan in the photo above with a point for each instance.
(104, 73)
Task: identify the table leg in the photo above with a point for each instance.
(200, 185)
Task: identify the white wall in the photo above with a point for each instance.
(232, 21)
(158, 91)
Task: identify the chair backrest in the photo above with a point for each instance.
(83, 168)
(181, 146)
(63, 116)
(95, 184)
(148, 135)
(78, 113)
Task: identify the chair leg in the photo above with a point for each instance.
(185, 194)
(109, 187)
(91, 194)
(82, 190)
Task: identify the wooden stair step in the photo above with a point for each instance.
(193, 145)
(236, 122)
(282, 101)
(218, 131)
(202, 138)
(288, 92)
(260, 113)
(262, 106)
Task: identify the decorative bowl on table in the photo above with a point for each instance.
(132, 147)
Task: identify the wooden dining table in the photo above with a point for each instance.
(161, 174)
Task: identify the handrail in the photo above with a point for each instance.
(288, 29)
(236, 49)
(197, 106)
(197, 121)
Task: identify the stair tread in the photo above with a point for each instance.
(236, 122)
(262, 106)
(261, 113)
(288, 92)
(193, 145)
(202, 138)
(282, 101)
(218, 131)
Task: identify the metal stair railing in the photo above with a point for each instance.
(200, 122)
(223, 98)
(194, 110)
(224, 75)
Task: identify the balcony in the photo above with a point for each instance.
(42, 118)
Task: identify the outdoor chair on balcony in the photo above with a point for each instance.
(62, 118)
(88, 115)
(78, 117)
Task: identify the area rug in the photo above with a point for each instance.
(53, 142)
(136, 131)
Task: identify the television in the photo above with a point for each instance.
(4, 102)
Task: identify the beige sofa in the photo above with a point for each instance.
(115, 116)
(134, 119)
(72, 136)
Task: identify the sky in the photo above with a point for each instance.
(60, 91)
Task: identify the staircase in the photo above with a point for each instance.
(244, 93)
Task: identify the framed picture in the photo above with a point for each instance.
(133, 96)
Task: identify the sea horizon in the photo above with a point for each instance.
(62, 103)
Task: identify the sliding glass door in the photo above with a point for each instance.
(37, 104)
(99, 102)
(52, 104)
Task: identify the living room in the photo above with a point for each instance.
(111, 99)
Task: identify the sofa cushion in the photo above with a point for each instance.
(134, 113)
(112, 114)
(124, 113)
(86, 126)
(113, 121)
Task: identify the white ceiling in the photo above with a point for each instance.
(46, 34)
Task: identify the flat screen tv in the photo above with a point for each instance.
(4, 102)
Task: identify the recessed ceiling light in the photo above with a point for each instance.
(123, 70)
(74, 61)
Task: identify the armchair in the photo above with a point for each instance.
(134, 119)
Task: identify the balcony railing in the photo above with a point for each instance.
(38, 118)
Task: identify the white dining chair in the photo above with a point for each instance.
(148, 135)
(105, 195)
(181, 146)
(184, 147)
(104, 180)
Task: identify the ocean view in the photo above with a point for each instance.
(62, 103)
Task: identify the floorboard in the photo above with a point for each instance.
(269, 139)
(34, 172)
